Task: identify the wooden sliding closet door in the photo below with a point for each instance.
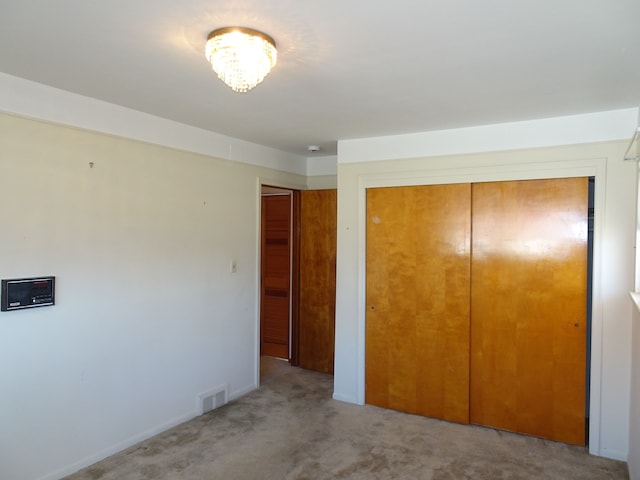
(318, 221)
(529, 280)
(417, 321)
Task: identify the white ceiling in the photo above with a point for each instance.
(347, 69)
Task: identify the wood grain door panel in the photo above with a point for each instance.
(318, 212)
(529, 280)
(417, 321)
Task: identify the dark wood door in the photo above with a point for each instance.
(529, 281)
(317, 264)
(275, 283)
(417, 300)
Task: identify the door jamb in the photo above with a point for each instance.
(294, 306)
(523, 171)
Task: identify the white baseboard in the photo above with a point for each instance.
(613, 454)
(242, 392)
(345, 398)
(118, 447)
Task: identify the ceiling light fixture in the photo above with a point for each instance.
(241, 56)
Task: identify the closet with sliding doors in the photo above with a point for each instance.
(477, 303)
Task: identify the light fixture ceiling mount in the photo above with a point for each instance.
(242, 57)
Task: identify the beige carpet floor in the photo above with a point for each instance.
(290, 428)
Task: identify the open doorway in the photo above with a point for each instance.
(278, 280)
(297, 277)
(275, 272)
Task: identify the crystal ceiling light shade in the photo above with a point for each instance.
(241, 56)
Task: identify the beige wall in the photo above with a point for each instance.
(147, 313)
(634, 435)
(322, 182)
(613, 275)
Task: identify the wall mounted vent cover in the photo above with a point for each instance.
(212, 399)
